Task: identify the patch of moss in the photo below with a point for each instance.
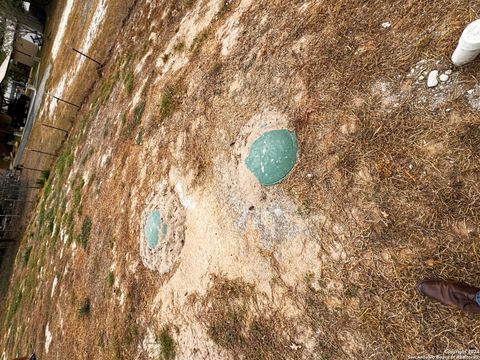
(167, 104)
(85, 231)
(167, 344)
(128, 82)
(137, 115)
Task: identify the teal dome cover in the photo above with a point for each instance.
(153, 228)
(272, 156)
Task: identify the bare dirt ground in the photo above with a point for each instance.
(321, 266)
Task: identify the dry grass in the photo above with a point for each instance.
(416, 214)
(234, 321)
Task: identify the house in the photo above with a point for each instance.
(14, 103)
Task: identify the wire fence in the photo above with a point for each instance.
(14, 191)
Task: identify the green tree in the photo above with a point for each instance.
(10, 10)
(18, 72)
(13, 11)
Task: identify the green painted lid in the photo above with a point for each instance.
(272, 156)
(153, 226)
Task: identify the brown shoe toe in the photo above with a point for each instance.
(459, 295)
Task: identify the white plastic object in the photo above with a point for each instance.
(469, 44)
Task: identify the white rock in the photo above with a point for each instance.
(470, 92)
(421, 77)
(432, 80)
(48, 338)
(386, 24)
(295, 347)
(443, 77)
(449, 72)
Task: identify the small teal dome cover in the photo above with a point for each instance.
(153, 228)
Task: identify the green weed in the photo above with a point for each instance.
(188, 3)
(105, 90)
(77, 197)
(123, 119)
(44, 175)
(84, 309)
(137, 115)
(50, 219)
(167, 344)
(85, 231)
(92, 179)
(110, 279)
(14, 304)
(167, 104)
(41, 215)
(48, 188)
(68, 223)
(64, 161)
(225, 6)
(87, 156)
(199, 40)
(26, 255)
(351, 292)
(139, 138)
(128, 82)
(179, 46)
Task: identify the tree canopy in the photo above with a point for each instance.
(13, 10)
(10, 10)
